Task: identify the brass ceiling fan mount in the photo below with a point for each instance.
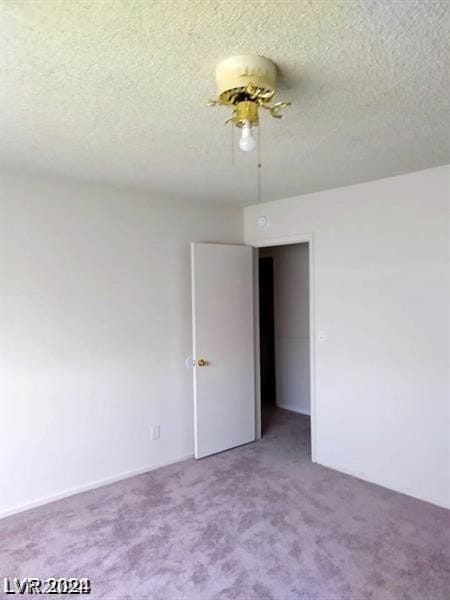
(247, 83)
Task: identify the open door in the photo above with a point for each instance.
(223, 347)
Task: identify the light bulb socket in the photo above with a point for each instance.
(244, 112)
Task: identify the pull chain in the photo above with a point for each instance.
(232, 143)
(259, 164)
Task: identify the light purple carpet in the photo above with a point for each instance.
(255, 523)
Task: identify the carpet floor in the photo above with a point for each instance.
(258, 522)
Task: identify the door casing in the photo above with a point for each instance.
(284, 241)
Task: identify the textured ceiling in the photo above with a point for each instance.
(111, 91)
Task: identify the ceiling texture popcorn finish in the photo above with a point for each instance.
(113, 92)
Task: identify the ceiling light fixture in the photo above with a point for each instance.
(247, 83)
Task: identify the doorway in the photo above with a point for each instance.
(284, 340)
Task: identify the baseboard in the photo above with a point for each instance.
(293, 409)
(90, 486)
(400, 490)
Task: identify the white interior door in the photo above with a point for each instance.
(223, 351)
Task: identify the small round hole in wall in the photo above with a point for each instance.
(263, 222)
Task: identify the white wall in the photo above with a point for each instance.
(291, 312)
(381, 269)
(96, 297)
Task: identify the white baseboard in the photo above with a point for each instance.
(443, 503)
(89, 486)
(293, 409)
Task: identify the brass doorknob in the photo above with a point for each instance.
(201, 362)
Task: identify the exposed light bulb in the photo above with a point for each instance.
(247, 142)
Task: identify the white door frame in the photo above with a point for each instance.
(284, 241)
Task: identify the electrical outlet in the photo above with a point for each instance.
(155, 432)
